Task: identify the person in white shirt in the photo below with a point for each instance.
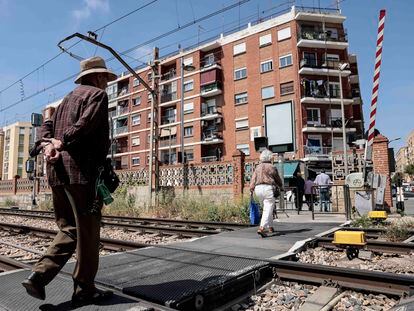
(324, 182)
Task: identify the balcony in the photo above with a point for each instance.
(168, 119)
(118, 149)
(321, 39)
(167, 97)
(209, 159)
(317, 153)
(169, 75)
(210, 113)
(321, 67)
(330, 125)
(328, 15)
(211, 89)
(210, 62)
(121, 130)
(123, 91)
(168, 142)
(211, 136)
(316, 92)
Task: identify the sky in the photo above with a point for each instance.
(30, 31)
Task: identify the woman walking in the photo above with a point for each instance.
(265, 183)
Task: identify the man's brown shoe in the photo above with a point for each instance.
(84, 298)
(34, 286)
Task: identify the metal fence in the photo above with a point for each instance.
(332, 199)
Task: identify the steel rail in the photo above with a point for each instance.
(109, 244)
(379, 282)
(9, 264)
(142, 220)
(372, 245)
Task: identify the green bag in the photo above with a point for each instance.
(102, 190)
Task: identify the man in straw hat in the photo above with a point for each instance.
(75, 143)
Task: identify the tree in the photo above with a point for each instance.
(409, 169)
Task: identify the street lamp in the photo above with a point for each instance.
(395, 139)
(342, 67)
(187, 68)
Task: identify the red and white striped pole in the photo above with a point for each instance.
(374, 98)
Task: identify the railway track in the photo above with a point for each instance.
(108, 244)
(154, 225)
(9, 264)
(372, 245)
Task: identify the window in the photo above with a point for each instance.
(332, 33)
(135, 161)
(285, 61)
(334, 90)
(188, 85)
(286, 88)
(265, 40)
(188, 108)
(309, 59)
(148, 139)
(149, 117)
(255, 132)
(149, 76)
(266, 66)
(136, 119)
(242, 124)
(136, 101)
(135, 82)
(240, 73)
(135, 141)
(314, 144)
(240, 98)
(239, 48)
(313, 116)
(243, 148)
(149, 97)
(283, 34)
(268, 92)
(188, 131)
(189, 154)
(188, 61)
(22, 130)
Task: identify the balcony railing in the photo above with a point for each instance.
(209, 111)
(168, 119)
(320, 63)
(209, 61)
(320, 35)
(316, 150)
(317, 10)
(122, 109)
(330, 122)
(211, 87)
(123, 91)
(168, 142)
(168, 97)
(314, 88)
(121, 130)
(209, 159)
(211, 134)
(169, 75)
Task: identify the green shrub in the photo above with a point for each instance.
(399, 229)
(46, 205)
(123, 204)
(363, 222)
(9, 202)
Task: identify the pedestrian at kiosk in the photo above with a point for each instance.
(324, 182)
(266, 185)
(309, 192)
(75, 142)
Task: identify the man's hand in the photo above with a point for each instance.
(57, 144)
(51, 154)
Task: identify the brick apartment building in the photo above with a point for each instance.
(405, 156)
(291, 57)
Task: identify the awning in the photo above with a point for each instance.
(288, 168)
(166, 131)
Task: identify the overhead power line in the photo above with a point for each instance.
(222, 10)
(71, 46)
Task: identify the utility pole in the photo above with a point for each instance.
(182, 109)
(153, 168)
(345, 155)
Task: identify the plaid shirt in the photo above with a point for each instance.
(81, 123)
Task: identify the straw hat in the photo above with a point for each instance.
(94, 65)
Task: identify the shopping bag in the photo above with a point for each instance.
(254, 212)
